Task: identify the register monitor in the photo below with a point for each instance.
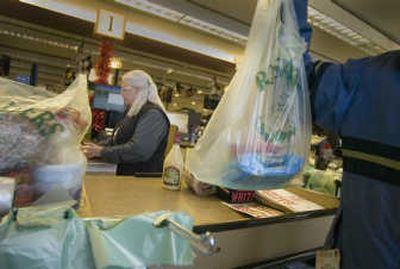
(179, 119)
(108, 98)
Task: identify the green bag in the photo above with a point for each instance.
(320, 181)
(135, 243)
(45, 237)
(54, 237)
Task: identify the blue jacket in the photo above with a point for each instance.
(360, 101)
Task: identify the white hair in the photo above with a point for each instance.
(149, 93)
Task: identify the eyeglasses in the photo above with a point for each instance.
(126, 88)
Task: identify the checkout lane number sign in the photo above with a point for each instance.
(110, 24)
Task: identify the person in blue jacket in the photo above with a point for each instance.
(360, 101)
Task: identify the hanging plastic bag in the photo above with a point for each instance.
(40, 134)
(258, 137)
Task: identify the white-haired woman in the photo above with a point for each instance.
(140, 138)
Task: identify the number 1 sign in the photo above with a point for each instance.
(110, 24)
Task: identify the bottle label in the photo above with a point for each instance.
(171, 177)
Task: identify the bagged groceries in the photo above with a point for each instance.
(40, 134)
(258, 137)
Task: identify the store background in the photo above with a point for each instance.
(190, 47)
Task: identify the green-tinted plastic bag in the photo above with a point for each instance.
(135, 243)
(320, 181)
(54, 237)
(45, 237)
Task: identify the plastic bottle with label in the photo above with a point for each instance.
(173, 168)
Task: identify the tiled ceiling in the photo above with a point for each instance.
(240, 10)
(382, 15)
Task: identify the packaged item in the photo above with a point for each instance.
(235, 196)
(173, 169)
(285, 201)
(259, 135)
(40, 134)
(255, 210)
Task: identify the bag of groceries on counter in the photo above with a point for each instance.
(40, 135)
(259, 135)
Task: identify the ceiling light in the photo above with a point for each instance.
(148, 7)
(199, 92)
(156, 34)
(193, 103)
(44, 41)
(116, 63)
(213, 29)
(173, 15)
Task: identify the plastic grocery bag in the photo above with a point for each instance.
(54, 237)
(258, 137)
(40, 134)
(320, 180)
(44, 237)
(136, 243)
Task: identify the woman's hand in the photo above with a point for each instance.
(91, 150)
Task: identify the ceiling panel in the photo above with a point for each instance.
(240, 10)
(382, 15)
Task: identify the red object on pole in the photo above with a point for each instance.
(103, 64)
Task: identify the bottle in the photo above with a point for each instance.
(173, 167)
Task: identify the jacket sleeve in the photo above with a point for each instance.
(150, 131)
(331, 86)
(300, 8)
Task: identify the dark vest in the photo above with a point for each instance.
(126, 128)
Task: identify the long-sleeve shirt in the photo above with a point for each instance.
(150, 130)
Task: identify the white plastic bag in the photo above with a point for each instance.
(259, 135)
(40, 135)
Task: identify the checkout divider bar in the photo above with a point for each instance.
(204, 243)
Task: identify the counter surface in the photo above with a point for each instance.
(116, 196)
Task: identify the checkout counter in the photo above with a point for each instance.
(244, 242)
